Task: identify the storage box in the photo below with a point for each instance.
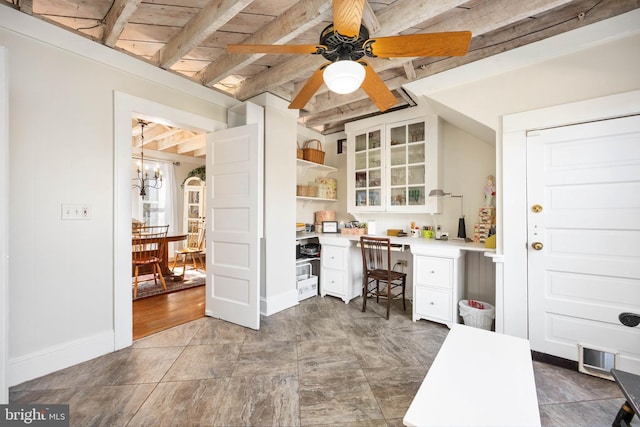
(355, 231)
(487, 211)
(307, 190)
(307, 283)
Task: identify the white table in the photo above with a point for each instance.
(478, 378)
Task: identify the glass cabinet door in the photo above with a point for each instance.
(391, 167)
(368, 170)
(407, 163)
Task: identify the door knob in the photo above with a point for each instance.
(629, 319)
(537, 246)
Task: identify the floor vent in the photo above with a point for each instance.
(596, 361)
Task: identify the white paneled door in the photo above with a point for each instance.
(583, 195)
(234, 185)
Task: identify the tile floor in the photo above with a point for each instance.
(319, 363)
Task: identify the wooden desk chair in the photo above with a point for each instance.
(377, 269)
(148, 247)
(193, 248)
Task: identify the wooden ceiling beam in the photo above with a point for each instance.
(294, 21)
(117, 18)
(198, 142)
(346, 112)
(201, 152)
(213, 16)
(177, 138)
(26, 6)
(152, 132)
(278, 75)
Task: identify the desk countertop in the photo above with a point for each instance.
(418, 245)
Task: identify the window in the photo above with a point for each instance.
(158, 206)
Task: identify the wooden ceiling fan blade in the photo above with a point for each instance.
(376, 89)
(275, 49)
(347, 16)
(454, 43)
(310, 87)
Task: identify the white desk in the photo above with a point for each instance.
(436, 281)
(478, 378)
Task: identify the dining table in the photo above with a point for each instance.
(164, 263)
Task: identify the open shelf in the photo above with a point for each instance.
(311, 165)
(317, 199)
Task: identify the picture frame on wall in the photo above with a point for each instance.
(329, 226)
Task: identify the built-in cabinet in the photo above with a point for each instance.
(307, 173)
(194, 204)
(392, 167)
(438, 285)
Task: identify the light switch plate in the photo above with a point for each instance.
(76, 211)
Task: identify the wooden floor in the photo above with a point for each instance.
(160, 312)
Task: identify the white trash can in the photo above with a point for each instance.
(477, 314)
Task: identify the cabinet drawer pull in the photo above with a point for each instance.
(432, 272)
(432, 303)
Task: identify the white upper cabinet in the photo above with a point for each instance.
(392, 167)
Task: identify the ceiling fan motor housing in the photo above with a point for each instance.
(341, 47)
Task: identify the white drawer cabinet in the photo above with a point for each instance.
(434, 271)
(438, 285)
(334, 257)
(341, 268)
(434, 304)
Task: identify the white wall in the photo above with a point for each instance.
(4, 228)
(594, 61)
(61, 131)
(278, 287)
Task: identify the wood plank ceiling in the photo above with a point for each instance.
(189, 38)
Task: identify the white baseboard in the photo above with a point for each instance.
(54, 358)
(274, 304)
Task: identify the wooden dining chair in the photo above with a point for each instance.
(148, 248)
(193, 248)
(377, 270)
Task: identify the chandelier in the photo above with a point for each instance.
(144, 181)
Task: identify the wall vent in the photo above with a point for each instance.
(596, 361)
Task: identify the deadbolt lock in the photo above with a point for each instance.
(537, 246)
(536, 208)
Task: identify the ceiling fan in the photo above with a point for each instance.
(346, 42)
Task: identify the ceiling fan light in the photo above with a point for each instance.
(344, 76)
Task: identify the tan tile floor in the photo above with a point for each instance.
(319, 363)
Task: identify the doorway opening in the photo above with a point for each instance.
(126, 108)
(172, 154)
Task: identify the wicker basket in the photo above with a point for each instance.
(306, 190)
(300, 154)
(315, 155)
